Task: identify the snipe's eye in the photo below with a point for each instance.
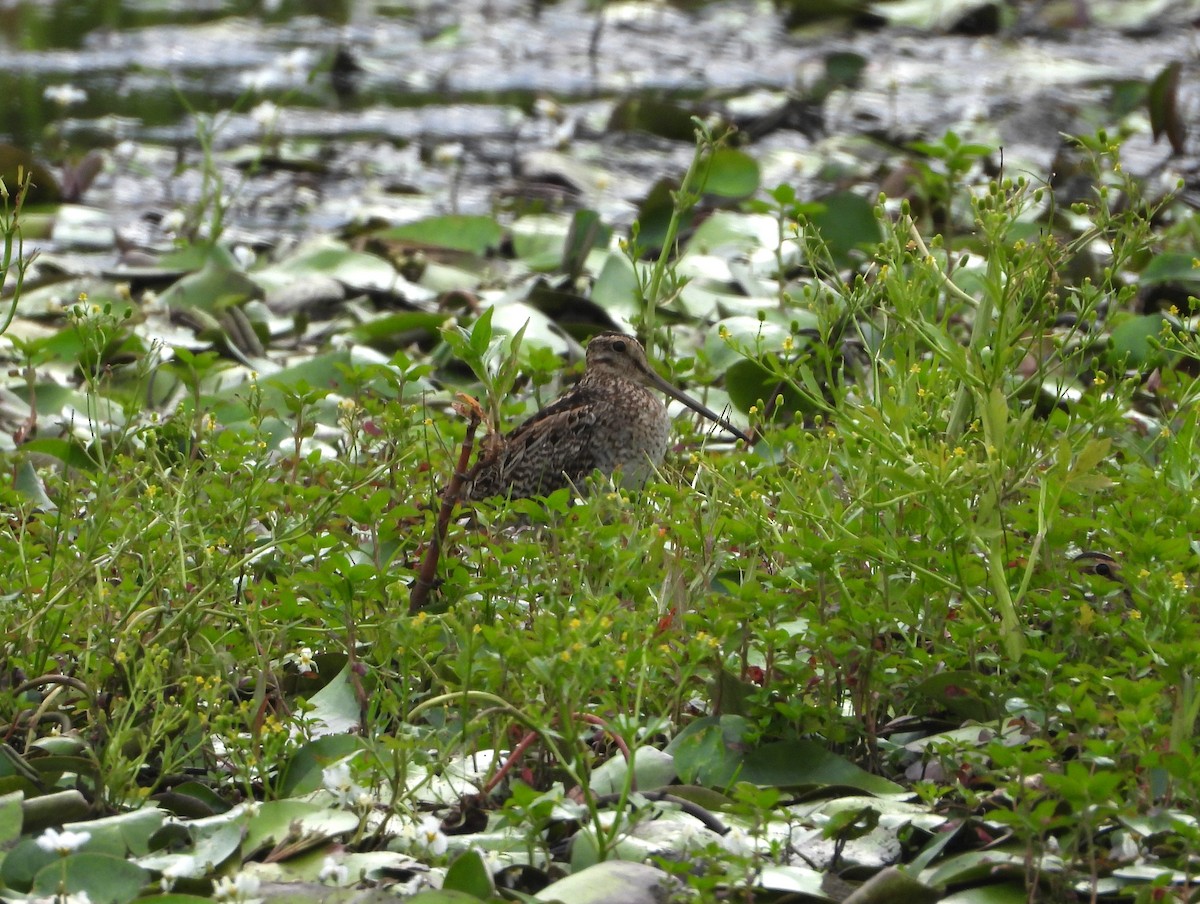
(619, 346)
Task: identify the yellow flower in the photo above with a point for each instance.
(1179, 581)
(1087, 615)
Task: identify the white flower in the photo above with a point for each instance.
(337, 781)
(297, 62)
(174, 221)
(333, 872)
(241, 887)
(245, 258)
(302, 660)
(265, 115)
(125, 152)
(62, 843)
(172, 872)
(429, 836)
(448, 153)
(547, 108)
(64, 95)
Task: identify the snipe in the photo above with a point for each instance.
(609, 421)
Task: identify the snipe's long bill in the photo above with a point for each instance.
(609, 421)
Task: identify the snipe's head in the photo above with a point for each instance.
(618, 355)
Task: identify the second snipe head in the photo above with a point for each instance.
(609, 421)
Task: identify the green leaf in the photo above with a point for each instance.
(278, 820)
(730, 173)
(457, 232)
(587, 231)
(302, 773)
(335, 708)
(122, 834)
(539, 240)
(846, 224)
(70, 452)
(219, 284)
(616, 288)
(710, 751)
(327, 258)
(1168, 267)
(641, 113)
(469, 873)
(1136, 343)
(803, 764)
(105, 879)
(481, 333)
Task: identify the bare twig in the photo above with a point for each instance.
(425, 579)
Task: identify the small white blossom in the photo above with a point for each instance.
(174, 221)
(244, 256)
(302, 660)
(78, 897)
(333, 872)
(241, 887)
(172, 872)
(430, 837)
(447, 154)
(296, 62)
(337, 781)
(265, 115)
(547, 108)
(62, 843)
(64, 95)
(125, 151)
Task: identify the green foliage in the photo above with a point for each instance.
(957, 561)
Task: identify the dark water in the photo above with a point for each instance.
(433, 106)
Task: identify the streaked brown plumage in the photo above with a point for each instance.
(609, 421)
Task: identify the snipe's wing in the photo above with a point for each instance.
(550, 449)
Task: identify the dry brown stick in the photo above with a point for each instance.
(425, 579)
